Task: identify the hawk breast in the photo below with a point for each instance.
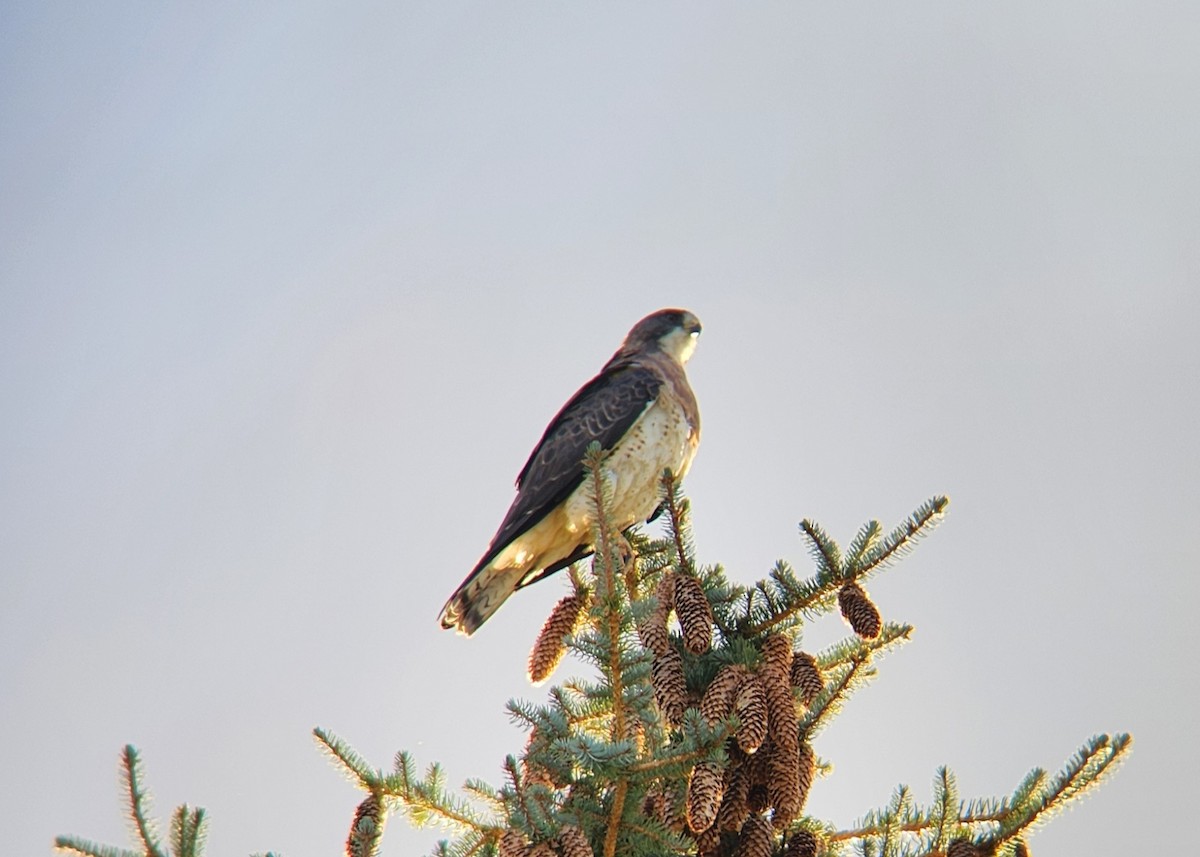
(662, 438)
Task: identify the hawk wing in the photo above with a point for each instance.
(603, 411)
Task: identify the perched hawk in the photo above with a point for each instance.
(641, 409)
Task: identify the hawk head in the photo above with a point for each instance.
(673, 331)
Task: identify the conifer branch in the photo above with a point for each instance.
(87, 848)
(352, 765)
(604, 561)
(1092, 763)
(187, 825)
(863, 541)
(614, 818)
(677, 515)
(138, 801)
(945, 808)
(425, 800)
(833, 697)
(824, 550)
(604, 566)
(1034, 800)
(187, 831)
(517, 791)
(902, 539)
(684, 760)
(871, 554)
(849, 664)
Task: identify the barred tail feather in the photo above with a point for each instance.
(479, 597)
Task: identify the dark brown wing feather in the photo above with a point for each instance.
(603, 410)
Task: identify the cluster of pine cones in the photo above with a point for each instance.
(570, 842)
(769, 766)
(683, 594)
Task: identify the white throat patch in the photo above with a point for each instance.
(680, 344)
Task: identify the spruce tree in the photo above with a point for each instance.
(695, 732)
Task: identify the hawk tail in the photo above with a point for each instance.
(478, 598)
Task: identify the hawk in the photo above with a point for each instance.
(641, 410)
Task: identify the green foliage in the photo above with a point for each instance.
(187, 825)
(904, 829)
(606, 763)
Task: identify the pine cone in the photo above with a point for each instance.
(717, 703)
(802, 843)
(777, 657)
(572, 843)
(654, 805)
(1020, 849)
(806, 677)
(704, 795)
(806, 770)
(708, 843)
(757, 798)
(964, 848)
(695, 614)
(751, 709)
(653, 629)
(670, 687)
(676, 812)
(757, 770)
(513, 844)
(781, 713)
(659, 804)
(783, 784)
(757, 839)
(859, 611)
(734, 807)
(366, 828)
(783, 765)
(549, 648)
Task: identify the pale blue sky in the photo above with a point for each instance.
(288, 293)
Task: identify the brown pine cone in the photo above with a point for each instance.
(777, 657)
(806, 677)
(751, 709)
(805, 771)
(734, 807)
(549, 648)
(695, 614)
(757, 839)
(670, 686)
(659, 804)
(704, 795)
(965, 848)
(781, 713)
(655, 806)
(708, 843)
(802, 843)
(513, 844)
(783, 784)
(653, 629)
(757, 770)
(573, 843)
(858, 610)
(366, 828)
(717, 703)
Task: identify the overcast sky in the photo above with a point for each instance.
(287, 294)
